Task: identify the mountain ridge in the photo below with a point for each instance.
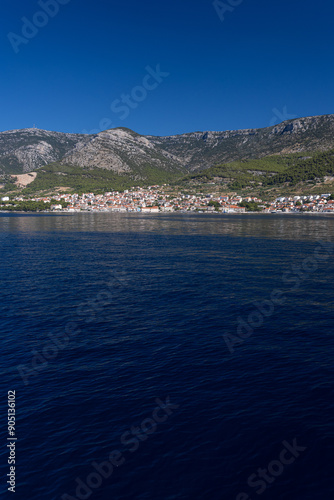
(138, 157)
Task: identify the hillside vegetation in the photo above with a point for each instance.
(267, 172)
(96, 180)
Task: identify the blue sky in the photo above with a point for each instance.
(89, 65)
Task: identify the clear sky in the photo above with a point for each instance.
(164, 68)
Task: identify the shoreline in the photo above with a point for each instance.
(46, 212)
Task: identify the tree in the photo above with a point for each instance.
(215, 204)
(250, 206)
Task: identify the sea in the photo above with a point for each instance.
(167, 356)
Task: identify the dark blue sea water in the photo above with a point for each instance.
(198, 347)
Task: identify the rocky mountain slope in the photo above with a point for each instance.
(201, 150)
(122, 151)
(25, 150)
(125, 152)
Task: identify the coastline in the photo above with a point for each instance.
(176, 212)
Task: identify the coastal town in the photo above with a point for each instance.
(157, 199)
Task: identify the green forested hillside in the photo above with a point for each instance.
(267, 172)
(95, 179)
(317, 167)
(247, 175)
